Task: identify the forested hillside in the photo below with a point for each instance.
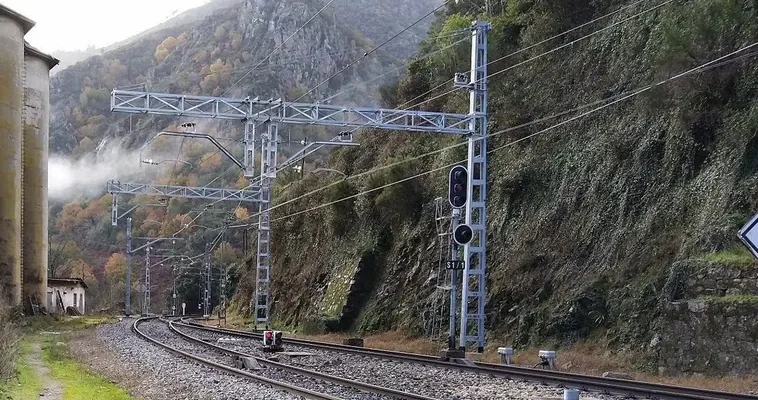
(229, 51)
(584, 220)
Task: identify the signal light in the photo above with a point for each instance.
(463, 234)
(458, 182)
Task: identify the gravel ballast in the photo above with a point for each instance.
(159, 330)
(159, 374)
(425, 380)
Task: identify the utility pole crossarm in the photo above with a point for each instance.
(245, 196)
(278, 111)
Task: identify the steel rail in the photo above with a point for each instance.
(294, 390)
(362, 386)
(636, 389)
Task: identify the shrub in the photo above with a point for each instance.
(8, 345)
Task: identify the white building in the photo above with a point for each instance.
(68, 291)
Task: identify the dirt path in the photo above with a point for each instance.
(51, 389)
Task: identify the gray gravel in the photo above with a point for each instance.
(184, 380)
(160, 331)
(441, 383)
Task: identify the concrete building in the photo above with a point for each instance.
(24, 129)
(34, 206)
(13, 27)
(71, 292)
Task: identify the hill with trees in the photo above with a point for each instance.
(242, 48)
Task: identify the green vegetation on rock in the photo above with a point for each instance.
(736, 256)
(585, 220)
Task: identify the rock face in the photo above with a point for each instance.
(585, 219)
(712, 324)
(252, 47)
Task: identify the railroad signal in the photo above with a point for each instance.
(272, 340)
(463, 234)
(458, 182)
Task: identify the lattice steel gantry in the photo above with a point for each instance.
(474, 253)
(115, 188)
(269, 113)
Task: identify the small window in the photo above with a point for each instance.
(75, 300)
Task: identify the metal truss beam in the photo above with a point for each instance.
(278, 111)
(245, 196)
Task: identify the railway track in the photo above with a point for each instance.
(368, 391)
(610, 386)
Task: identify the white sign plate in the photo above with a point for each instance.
(749, 235)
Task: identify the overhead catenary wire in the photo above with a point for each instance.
(543, 54)
(402, 67)
(277, 48)
(405, 104)
(615, 24)
(373, 50)
(720, 61)
(523, 49)
(531, 46)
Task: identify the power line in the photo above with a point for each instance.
(366, 54)
(404, 66)
(699, 69)
(403, 105)
(251, 71)
(511, 67)
(280, 45)
(543, 42)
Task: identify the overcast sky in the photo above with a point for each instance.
(77, 24)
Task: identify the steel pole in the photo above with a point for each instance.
(128, 280)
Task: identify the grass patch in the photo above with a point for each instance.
(25, 385)
(737, 256)
(77, 381)
(65, 323)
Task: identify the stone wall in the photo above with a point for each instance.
(718, 279)
(709, 319)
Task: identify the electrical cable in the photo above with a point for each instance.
(402, 67)
(630, 94)
(280, 45)
(403, 105)
(556, 36)
(295, 60)
(334, 75)
(373, 50)
(301, 27)
(613, 25)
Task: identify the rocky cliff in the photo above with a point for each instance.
(584, 220)
(231, 47)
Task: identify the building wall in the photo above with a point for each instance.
(67, 295)
(35, 207)
(11, 107)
